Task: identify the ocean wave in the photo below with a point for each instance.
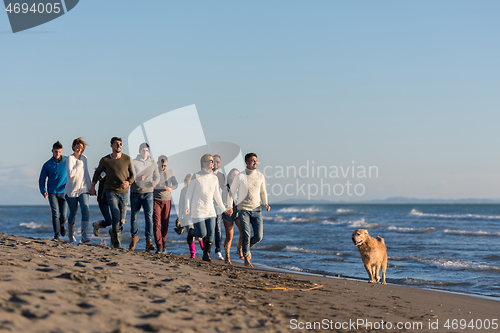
(492, 257)
(416, 212)
(345, 211)
(177, 241)
(300, 210)
(303, 250)
(460, 264)
(334, 223)
(294, 220)
(361, 224)
(412, 230)
(32, 225)
(471, 233)
(332, 259)
(293, 268)
(275, 248)
(421, 282)
(279, 248)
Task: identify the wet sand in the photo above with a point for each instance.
(53, 286)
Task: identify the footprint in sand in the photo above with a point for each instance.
(85, 305)
(16, 299)
(168, 280)
(48, 291)
(183, 289)
(35, 314)
(159, 301)
(46, 270)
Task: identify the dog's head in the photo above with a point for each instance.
(359, 236)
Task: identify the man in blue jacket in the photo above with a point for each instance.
(54, 174)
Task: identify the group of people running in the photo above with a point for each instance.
(207, 200)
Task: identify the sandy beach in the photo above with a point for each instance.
(53, 286)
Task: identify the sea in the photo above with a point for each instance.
(448, 247)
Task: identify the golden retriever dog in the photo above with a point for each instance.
(373, 253)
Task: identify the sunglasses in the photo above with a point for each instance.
(211, 161)
(118, 143)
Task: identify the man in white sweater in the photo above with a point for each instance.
(248, 190)
(202, 191)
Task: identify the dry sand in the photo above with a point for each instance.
(53, 286)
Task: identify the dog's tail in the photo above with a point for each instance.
(381, 240)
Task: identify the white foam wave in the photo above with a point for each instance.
(416, 212)
(333, 223)
(303, 250)
(299, 210)
(31, 225)
(343, 211)
(411, 230)
(361, 224)
(297, 219)
(293, 268)
(455, 264)
(414, 281)
(176, 241)
(293, 219)
(471, 233)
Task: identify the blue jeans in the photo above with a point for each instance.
(118, 203)
(218, 233)
(83, 199)
(59, 209)
(145, 201)
(108, 220)
(205, 229)
(248, 218)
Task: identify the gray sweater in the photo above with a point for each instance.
(147, 168)
(167, 178)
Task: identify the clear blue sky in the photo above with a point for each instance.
(408, 86)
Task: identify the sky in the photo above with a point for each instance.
(409, 88)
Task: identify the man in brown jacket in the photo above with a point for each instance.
(119, 176)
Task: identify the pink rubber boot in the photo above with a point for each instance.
(201, 243)
(192, 250)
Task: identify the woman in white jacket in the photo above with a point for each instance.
(202, 190)
(77, 189)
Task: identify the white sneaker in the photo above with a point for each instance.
(219, 256)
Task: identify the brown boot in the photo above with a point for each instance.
(149, 245)
(133, 242)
